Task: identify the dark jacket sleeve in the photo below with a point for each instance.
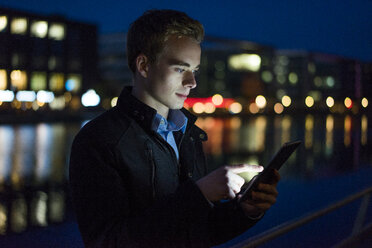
(226, 221)
(103, 208)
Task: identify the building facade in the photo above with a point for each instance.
(46, 62)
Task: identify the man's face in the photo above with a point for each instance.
(172, 76)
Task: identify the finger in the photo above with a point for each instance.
(231, 194)
(259, 197)
(267, 188)
(244, 168)
(274, 177)
(235, 179)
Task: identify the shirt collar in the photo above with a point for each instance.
(176, 121)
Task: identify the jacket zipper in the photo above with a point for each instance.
(151, 158)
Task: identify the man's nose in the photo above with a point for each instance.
(189, 80)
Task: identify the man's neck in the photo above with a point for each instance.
(142, 95)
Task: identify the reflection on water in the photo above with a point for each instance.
(331, 143)
(33, 174)
(33, 158)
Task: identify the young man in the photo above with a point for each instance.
(137, 172)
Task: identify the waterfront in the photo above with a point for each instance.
(333, 161)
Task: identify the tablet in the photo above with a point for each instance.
(276, 163)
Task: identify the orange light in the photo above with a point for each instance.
(348, 103)
(217, 99)
(278, 108)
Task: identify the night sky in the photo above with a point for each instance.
(342, 27)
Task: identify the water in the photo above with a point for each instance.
(333, 161)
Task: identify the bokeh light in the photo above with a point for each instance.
(309, 101)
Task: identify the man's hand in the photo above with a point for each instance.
(225, 183)
(262, 198)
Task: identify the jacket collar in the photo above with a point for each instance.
(142, 113)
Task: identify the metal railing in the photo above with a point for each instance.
(298, 222)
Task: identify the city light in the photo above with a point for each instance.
(3, 79)
(26, 96)
(235, 108)
(286, 101)
(278, 108)
(18, 26)
(39, 29)
(217, 99)
(348, 103)
(73, 83)
(330, 81)
(58, 103)
(309, 101)
(245, 62)
(6, 96)
(209, 108)
(330, 102)
(45, 96)
(3, 22)
(293, 78)
(57, 31)
(253, 108)
(267, 76)
(114, 101)
(90, 99)
(260, 101)
(198, 108)
(365, 102)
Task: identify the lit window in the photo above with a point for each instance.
(19, 26)
(18, 79)
(56, 82)
(3, 79)
(245, 62)
(38, 81)
(3, 23)
(57, 31)
(293, 78)
(309, 101)
(39, 29)
(330, 81)
(73, 83)
(267, 76)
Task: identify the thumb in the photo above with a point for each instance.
(245, 168)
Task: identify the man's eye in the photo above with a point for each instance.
(179, 70)
(195, 72)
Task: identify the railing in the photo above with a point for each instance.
(296, 223)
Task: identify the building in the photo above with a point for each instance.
(113, 65)
(46, 62)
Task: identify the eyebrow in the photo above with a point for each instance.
(180, 63)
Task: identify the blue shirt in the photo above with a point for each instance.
(165, 128)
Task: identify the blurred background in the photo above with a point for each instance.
(271, 72)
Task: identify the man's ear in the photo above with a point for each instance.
(142, 64)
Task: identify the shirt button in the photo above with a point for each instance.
(189, 175)
(202, 136)
(162, 122)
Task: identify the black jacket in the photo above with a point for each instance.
(129, 190)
